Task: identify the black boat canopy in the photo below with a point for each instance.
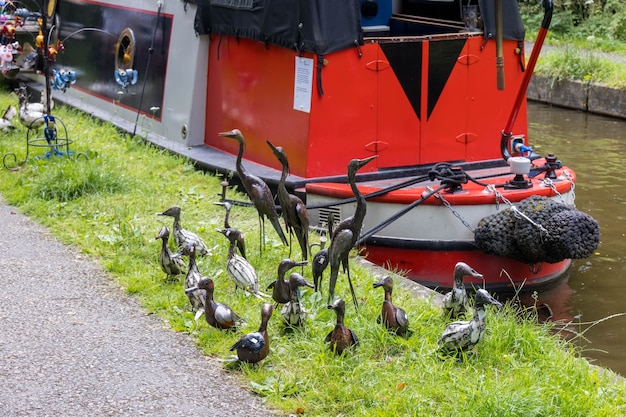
(512, 26)
(318, 26)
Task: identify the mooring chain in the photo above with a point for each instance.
(547, 182)
(449, 206)
(520, 215)
(499, 197)
(569, 177)
(516, 212)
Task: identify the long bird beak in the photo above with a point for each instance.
(191, 289)
(362, 162)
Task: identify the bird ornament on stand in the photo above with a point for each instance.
(241, 241)
(6, 121)
(347, 233)
(293, 208)
(340, 337)
(392, 317)
(293, 313)
(321, 259)
(281, 291)
(31, 114)
(455, 302)
(461, 336)
(239, 269)
(184, 237)
(193, 277)
(171, 264)
(255, 346)
(258, 192)
(217, 315)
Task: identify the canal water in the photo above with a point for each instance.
(595, 288)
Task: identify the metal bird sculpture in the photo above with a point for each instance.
(321, 259)
(184, 237)
(241, 241)
(239, 269)
(255, 346)
(346, 233)
(171, 264)
(340, 337)
(464, 335)
(281, 292)
(294, 210)
(217, 315)
(258, 191)
(455, 302)
(392, 317)
(6, 124)
(196, 298)
(31, 114)
(293, 313)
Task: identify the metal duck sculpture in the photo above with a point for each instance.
(464, 335)
(455, 302)
(392, 317)
(6, 121)
(258, 191)
(193, 277)
(255, 346)
(241, 241)
(31, 114)
(217, 315)
(281, 291)
(294, 210)
(184, 237)
(347, 233)
(239, 269)
(321, 259)
(293, 313)
(340, 337)
(172, 264)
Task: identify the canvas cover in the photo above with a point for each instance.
(318, 26)
(512, 26)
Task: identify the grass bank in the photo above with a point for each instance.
(105, 206)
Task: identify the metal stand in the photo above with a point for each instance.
(55, 141)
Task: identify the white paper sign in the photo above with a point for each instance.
(303, 84)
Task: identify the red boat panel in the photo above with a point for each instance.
(435, 268)
(250, 87)
(412, 101)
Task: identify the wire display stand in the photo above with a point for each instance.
(55, 138)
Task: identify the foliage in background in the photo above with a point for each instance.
(106, 207)
(600, 22)
(581, 30)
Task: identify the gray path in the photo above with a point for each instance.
(72, 344)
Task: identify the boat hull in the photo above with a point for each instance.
(424, 241)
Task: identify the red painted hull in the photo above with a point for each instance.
(427, 241)
(434, 268)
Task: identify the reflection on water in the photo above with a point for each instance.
(595, 148)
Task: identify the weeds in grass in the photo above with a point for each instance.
(107, 207)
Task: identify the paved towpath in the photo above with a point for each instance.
(73, 344)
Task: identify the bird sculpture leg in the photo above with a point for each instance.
(261, 234)
(354, 300)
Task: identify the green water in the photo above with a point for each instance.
(595, 148)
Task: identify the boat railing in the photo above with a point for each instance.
(403, 25)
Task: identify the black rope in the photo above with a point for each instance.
(150, 52)
(373, 194)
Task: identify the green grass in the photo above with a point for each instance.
(106, 205)
(571, 63)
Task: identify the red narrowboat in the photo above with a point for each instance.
(434, 88)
